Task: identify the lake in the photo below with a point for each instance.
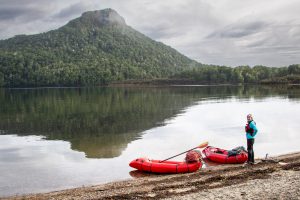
(57, 138)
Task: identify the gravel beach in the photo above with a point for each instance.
(274, 178)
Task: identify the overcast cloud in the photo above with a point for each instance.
(224, 32)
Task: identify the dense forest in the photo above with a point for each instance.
(210, 74)
(94, 49)
(99, 48)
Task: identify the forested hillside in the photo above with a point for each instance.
(94, 49)
(98, 48)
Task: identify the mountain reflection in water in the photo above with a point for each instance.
(101, 121)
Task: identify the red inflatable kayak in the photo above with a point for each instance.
(166, 167)
(221, 156)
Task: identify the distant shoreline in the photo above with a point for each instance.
(277, 177)
(180, 82)
(156, 83)
(166, 82)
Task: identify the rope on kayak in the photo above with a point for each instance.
(193, 156)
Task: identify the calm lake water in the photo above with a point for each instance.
(57, 138)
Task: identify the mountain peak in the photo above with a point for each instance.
(103, 17)
(93, 49)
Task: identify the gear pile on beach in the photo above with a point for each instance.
(193, 156)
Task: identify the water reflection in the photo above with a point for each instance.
(98, 121)
(120, 124)
(102, 121)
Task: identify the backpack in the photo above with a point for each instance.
(236, 151)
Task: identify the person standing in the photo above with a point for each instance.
(251, 131)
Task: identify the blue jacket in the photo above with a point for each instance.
(253, 126)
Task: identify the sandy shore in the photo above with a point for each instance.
(274, 178)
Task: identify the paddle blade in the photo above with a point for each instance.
(204, 144)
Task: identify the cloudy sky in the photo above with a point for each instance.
(224, 32)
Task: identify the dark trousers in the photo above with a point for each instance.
(250, 143)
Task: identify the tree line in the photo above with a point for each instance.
(210, 74)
